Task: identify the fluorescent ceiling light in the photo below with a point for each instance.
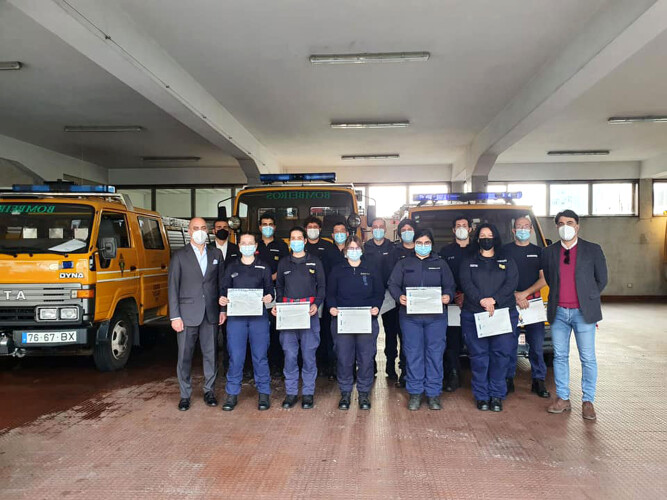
(104, 128)
(356, 125)
(10, 65)
(584, 152)
(624, 120)
(388, 156)
(385, 57)
(170, 158)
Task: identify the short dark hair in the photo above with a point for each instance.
(246, 233)
(406, 222)
(340, 223)
(566, 213)
(497, 242)
(379, 218)
(299, 229)
(424, 232)
(312, 220)
(459, 217)
(220, 220)
(268, 215)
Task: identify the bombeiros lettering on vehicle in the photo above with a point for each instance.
(71, 276)
(20, 209)
(298, 195)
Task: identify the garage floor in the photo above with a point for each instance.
(67, 431)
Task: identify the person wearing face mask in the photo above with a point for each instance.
(488, 280)
(221, 232)
(576, 272)
(315, 244)
(424, 335)
(528, 259)
(453, 254)
(270, 250)
(355, 283)
(195, 276)
(301, 278)
(382, 249)
(247, 272)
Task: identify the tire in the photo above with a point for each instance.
(549, 359)
(113, 355)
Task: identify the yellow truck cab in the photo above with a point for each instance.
(80, 271)
(438, 210)
(295, 198)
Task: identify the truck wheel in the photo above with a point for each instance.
(112, 355)
(549, 359)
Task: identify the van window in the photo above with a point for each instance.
(114, 225)
(150, 234)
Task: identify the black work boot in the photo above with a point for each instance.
(540, 389)
(290, 401)
(230, 402)
(452, 382)
(510, 385)
(434, 403)
(415, 402)
(264, 402)
(364, 401)
(344, 403)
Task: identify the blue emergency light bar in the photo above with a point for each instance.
(423, 198)
(271, 178)
(62, 188)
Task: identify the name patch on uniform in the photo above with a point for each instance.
(286, 272)
(451, 257)
(502, 260)
(260, 267)
(310, 264)
(234, 275)
(533, 255)
(434, 268)
(215, 261)
(364, 274)
(474, 265)
(273, 250)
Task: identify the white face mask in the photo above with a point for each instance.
(313, 233)
(199, 237)
(462, 233)
(566, 233)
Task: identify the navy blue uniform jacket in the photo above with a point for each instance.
(300, 278)
(240, 275)
(383, 255)
(483, 277)
(359, 286)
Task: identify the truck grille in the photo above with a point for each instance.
(14, 314)
(21, 296)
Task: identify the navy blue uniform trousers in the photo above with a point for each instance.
(352, 351)
(535, 339)
(489, 357)
(239, 330)
(424, 341)
(307, 340)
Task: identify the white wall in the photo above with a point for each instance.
(382, 174)
(654, 167)
(46, 163)
(565, 171)
(172, 176)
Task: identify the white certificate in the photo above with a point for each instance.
(499, 323)
(293, 316)
(424, 300)
(453, 315)
(245, 302)
(536, 312)
(388, 304)
(352, 320)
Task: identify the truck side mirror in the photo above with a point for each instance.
(108, 250)
(370, 214)
(222, 212)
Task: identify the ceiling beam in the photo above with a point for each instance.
(618, 31)
(106, 35)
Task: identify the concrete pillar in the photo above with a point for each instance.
(479, 183)
(458, 186)
(645, 204)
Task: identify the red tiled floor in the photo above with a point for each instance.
(120, 435)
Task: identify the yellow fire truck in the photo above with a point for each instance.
(80, 271)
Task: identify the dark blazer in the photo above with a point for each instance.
(193, 297)
(233, 251)
(590, 277)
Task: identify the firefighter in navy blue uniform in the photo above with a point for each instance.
(488, 281)
(270, 250)
(247, 272)
(405, 247)
(300, 279)
(423, 334)
(528, 259)
(453, 254)
(381, 249)
(355, 283)
(315, 244)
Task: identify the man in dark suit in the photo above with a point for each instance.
(576, 272)
(195, 277)
(229, 250)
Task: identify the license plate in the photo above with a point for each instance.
(48, 337)
(522, 339)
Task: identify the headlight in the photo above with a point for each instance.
(69, 313)
(354, 221)
(234, 223)
(47, 313)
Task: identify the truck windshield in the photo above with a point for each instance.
(44, 227)
(441, 221)
(292, 206)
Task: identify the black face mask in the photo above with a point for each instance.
(485, 243)
(222, 234)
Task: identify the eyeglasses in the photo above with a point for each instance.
(567, 256)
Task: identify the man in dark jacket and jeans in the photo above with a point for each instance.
(576, 272)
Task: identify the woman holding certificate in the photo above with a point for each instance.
(488, 316)
(423, 283)
(246, 287)
(355, 292)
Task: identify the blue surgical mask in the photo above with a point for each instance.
(340, 238)
(297, 245)
(378, 233)
(408, 236)
(267, 231)
(354, 254)
(247, 250)
(423, 250)
(523, 234)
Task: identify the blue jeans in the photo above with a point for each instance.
(535, 339)
(567, 320)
